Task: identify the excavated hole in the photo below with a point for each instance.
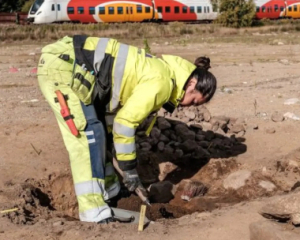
(55, 197)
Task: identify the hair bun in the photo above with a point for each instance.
(202, 63)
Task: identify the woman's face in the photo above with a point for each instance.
(192, 96)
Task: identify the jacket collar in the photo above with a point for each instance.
(181, 70)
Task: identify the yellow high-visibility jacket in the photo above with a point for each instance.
(140, 85)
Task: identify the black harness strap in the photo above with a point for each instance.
(103, 81)
(83, 80)
(68, 117)
(80, 53)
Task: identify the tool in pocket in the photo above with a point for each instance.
(65, 112)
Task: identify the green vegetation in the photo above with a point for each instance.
(146, 46)
(236, 13)
(13, 5)
(27, 5)
(175, 33)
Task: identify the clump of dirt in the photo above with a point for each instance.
(61, 189)
(286, 170)
(30, 202)
(156, 211)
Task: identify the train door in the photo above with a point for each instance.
(129, 14)
(58, 12)
(52, 16)
(55, 11)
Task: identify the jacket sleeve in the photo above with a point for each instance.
(147, 97)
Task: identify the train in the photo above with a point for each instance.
(93, 11)
(108, 11)
(276, 9)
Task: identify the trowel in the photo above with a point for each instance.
(127, 216)
(137, 190)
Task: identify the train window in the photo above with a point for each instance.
(80, 10)
(276, 8)
(101, 10)
(199, 9)
(111, 10)
(58, 7)
(176, 9)
(257, 9)
(167, 9)
(139, 9)
(147, 9)
(281, 8)
(184, 9)
(192, 9)
(52, 7)
(295, 8)
(204, 9)
(263, 9)
(159, 9)
(120, 10)
(208, 9)
(91, 10)
(70, 10)
(35, 7)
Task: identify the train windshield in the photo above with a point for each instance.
(35, 7)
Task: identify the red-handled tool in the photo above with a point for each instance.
(65, 112)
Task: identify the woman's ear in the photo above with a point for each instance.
(192, 82)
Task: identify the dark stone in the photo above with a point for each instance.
(178, 153)
(204, 144)
(163, 124)
(161, 192)
(200, 137)
(155, 133)
(184, 133)
(209, 135)
(168, 150)
(164, 139)
(200, 153)
(145, 146)
(188, 146)
(161, 146)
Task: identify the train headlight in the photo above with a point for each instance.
(39, 12)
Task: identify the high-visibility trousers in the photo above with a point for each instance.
(95, 180)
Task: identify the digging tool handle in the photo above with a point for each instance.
(65, 112)
(137, 190)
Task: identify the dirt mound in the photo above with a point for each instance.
(29, 200)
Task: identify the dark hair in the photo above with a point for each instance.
(206, 81)
(202, 62)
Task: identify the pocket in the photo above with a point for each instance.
(83, 84)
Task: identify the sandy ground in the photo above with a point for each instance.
(32, 148)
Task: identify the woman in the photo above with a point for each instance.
(96, 78)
